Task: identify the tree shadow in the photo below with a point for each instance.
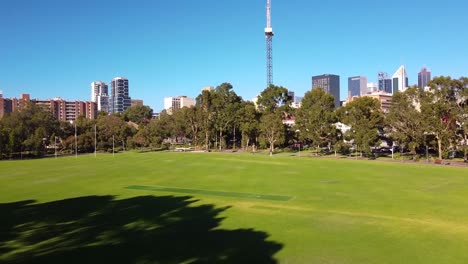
(145, 229)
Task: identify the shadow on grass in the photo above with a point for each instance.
(145, 229)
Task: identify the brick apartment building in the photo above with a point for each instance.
(61, 109)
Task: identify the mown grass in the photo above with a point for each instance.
(341, 211)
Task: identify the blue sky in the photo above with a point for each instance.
(56, 48)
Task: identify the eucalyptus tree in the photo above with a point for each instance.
(404, 120)
(226, 104)
(274, 104)
(365, 117)
(443, 108)
(249, 121)
(205, 103)
(316, 118)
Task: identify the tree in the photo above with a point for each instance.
(139, 114)
(404, 121)
(316, 118)
(365, 118)
(274, 104)
(28, 129)
(204, 102)
(274, 98)
(462, 104)
(272, 128)
(194, 122)
(440, 111)
(249, 120)
(226, 104)
(112, 130)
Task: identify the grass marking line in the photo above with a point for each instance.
(214, 193)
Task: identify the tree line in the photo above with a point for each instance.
(418, 119)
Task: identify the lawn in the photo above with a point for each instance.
(230, 208)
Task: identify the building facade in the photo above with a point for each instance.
(174, 103)
(135, 102)
(208, 88)
(372, 87)
(383, 97)
(357, 86)
(120, 99)
(330, 83)
(424, 77)
(385, 85)
(399, 80)
(100, 95)
(61, 109)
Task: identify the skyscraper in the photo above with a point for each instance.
(357, 85)
(330, 83)
(399, 80)
(424, 76)
(100, 95)
(120, 99)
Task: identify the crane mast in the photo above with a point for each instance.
(269, 47)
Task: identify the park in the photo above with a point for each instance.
(187, 207)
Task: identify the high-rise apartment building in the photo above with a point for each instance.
(357, 86)
(100, 95)
(330, 83)
(424, 76)
(399, 80)
(120, 99)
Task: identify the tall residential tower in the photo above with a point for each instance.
(100, 95)
(120, 99)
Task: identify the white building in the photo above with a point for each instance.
(372, 87)
(208, 88)
(173, 103)
(399, 80)
(100, 95)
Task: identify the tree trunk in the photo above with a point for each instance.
(234, 137)
(220, 140)
(439, 145)
(466, 148)
(207, 147)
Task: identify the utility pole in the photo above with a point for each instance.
(269, 45)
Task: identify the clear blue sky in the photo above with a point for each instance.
(53, 48)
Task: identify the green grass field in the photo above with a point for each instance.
(230, 208)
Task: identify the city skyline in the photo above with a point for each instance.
(56, 49)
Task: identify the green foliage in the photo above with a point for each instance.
(138, 114)
(315, 120)
(365, 118)
(274, 98)
(404, 121)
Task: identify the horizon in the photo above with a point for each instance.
(166, 49)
